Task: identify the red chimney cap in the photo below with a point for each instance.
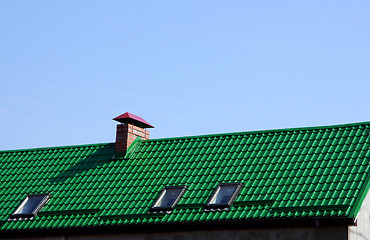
(133, 119)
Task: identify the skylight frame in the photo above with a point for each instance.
(155, 206)
(39, 206)
(230, 202)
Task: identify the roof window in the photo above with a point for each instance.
(31, 205)
(168, 198)
(224, 195)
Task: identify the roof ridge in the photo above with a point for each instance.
(266, 131)
(55, 147)
(200, 136)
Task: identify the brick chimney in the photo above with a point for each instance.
(130, 127)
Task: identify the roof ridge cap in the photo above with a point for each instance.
(264, 131)
(54, 147)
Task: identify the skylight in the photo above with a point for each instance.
(224, 195)
(31, 205)
(168, 198)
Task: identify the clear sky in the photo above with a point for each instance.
(187, 67)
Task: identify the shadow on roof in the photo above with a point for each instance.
(85, 159)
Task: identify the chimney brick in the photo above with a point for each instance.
(126, 134)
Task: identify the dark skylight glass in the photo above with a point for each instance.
(224, 195)
(168, 198)
(31, 205)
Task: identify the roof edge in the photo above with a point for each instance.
(361, 197)
(200, 136)
(266, 131)
(245, 224)
(55, 147)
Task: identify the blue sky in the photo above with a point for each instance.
(187, 67)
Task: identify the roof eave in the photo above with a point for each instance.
(241, 224)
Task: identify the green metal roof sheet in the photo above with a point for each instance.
(312, 172)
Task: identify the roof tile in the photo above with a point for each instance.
(306, 172)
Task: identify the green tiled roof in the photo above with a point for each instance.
(299, 173)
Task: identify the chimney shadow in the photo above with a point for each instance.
(98, 158)
(130, 129)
